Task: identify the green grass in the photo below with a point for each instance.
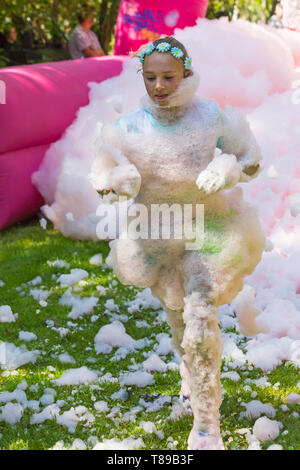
(24, 252)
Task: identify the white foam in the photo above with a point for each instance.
(265, 429)
(14, 357)
(11, 413)
(6, 314)
(27, 336)
(75, 276)
(76, 376)
(117, 444)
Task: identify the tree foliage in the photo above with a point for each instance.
(52, 21)
(251, 10)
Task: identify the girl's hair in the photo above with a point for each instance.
(173, 43)
(170, 40)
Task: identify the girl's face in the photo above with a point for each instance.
(162, 74)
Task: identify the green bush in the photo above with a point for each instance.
(51, 21)
(251, 10)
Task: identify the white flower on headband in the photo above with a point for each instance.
(176, 52)
(163, 47)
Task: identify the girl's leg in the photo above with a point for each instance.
(177, 326)
(202, 344)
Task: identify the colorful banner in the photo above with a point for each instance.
(141, 21)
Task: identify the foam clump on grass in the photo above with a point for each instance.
(50, 412)
(165, 345)
(157, 404)
(68, 419)
(76, 376)
(18, 395)
(255, 408)
(275, 447)
(78, 444)
(58, 263)
(112, 335)
(96, 260)
(60, 445)
(118, 444)
(120, 395)
(47, 399)
(154, 363)
(36, 281)
(143, 300)
(267, 355)
(148, 426)
(39, 294)
(43, 223)
(14, 357)
(11, 413)
(265, 429)
(293, 398)
(110, 306)
(80, 305)
(101, 406)
(139, 378)
(66, 358)
(232, 375)
(71, 279)
(27, 336)
(6, 314)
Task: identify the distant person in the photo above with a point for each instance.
(13, 50)
(10, 38)
(276, 20)
(83, 42)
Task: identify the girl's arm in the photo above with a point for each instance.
(237, 139)
(111, 169)
(236, 157)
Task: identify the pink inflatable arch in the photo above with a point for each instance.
(141, 21)
(37, 103)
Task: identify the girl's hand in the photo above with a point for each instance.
(125, 180)
(223, 172)
(210, 182)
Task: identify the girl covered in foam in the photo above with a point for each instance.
(179, 149)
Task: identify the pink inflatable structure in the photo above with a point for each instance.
(141, 21)
(38, 102)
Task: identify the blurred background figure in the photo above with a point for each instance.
(10, 38)
(13, 53)
(276, 20)
(83, 41)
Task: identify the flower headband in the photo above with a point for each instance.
(166, 47)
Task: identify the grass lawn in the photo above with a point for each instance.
(24, 252)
